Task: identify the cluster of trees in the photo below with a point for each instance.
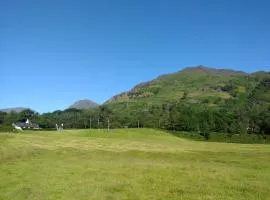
(232, 117)
(72, 118)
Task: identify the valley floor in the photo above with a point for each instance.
(129, 164)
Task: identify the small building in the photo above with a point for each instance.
(27, 124)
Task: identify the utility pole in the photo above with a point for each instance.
(108, 124)
(138, 123)
(98, 123)
(90, 123)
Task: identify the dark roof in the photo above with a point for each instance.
(26, 125)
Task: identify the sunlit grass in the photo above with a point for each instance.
(129, 164)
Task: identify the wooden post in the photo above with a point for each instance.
(90, 123)
(108, 124)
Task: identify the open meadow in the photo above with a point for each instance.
(129, 164)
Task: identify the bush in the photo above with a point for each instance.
(6, 128)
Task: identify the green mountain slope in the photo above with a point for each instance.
(197, 99)
(261, 93)
(193, 85)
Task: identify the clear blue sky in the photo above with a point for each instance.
(55, 52)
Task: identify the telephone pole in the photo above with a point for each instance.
(108, 124)
(90, 123)
(98, 123)
(138, 123)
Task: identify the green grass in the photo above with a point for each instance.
(129, 164)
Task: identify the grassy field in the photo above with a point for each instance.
(129, 164)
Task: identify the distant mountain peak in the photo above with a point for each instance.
(15, 109)
(84, 104)
(215, 70)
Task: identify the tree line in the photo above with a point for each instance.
(231, 118)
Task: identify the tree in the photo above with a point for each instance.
(2, 117)
(27, 114)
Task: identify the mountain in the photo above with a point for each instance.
(15, 109)
(198, 84)
(84, 104)
(195, 99)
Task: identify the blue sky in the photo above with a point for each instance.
(55, 52)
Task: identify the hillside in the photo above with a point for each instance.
(199, 99)
(193, 85)
(84, 104)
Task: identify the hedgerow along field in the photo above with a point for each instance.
(129, 164)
